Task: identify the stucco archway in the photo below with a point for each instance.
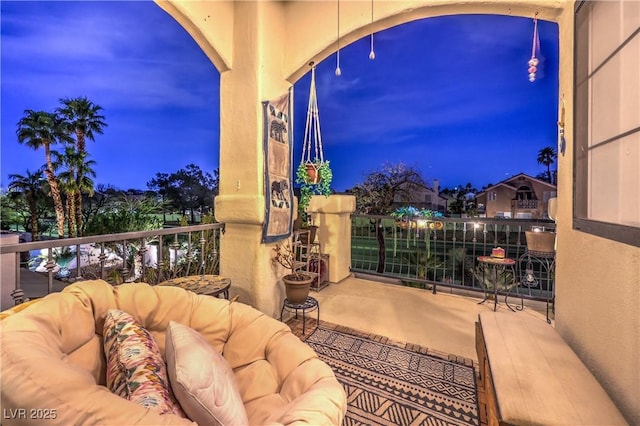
(262, 47)
(311, 26)
(315, 39)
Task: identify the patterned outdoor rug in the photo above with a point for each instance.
(390, 385)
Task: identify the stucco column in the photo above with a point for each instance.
(8, 263)
(255, 76)
(332, 215)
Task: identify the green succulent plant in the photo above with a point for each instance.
(308, 189)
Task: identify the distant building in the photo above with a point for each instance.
(426, 198)
(519, 197)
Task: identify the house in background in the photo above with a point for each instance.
(519, 197)
(425, 198)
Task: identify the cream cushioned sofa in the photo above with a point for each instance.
(53, 358)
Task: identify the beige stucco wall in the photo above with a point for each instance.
(261, 48)
(597, 280)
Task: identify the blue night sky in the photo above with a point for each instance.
(448, 95)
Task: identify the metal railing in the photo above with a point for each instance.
(525, 204)
(443, 252)
(147, 256)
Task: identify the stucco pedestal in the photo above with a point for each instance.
(332, 215)
(8, 272)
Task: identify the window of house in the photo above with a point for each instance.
(607, 122)
(493, 196)
(525, 193)
(427, 198)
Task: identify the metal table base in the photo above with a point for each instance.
(310, 304)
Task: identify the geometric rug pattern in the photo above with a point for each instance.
(390, 385)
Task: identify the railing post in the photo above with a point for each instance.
(49, 266)
(125, 270)
(102, 258)
(160, 261)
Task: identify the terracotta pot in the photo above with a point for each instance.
(312, 171)
(297, 290)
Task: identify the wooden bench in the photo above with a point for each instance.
(531, 376)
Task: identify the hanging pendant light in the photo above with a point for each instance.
(372, 54)
(533, 62)
(338, 70)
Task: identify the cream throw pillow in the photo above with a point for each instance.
(201, 379)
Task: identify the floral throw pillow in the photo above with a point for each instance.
(135, 368)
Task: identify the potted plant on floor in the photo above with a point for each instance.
(296, 283)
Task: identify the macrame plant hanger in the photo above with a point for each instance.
(312, 152)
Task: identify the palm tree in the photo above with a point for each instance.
(75, 179)
(30, 186)
(67, 183)
(547, 156)
(41, 129)
(85, 185)
(84, 119)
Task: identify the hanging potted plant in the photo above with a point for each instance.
(314, 173)
(296, 283)
(308, 187)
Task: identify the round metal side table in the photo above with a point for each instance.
(210, 285)
(496, 265)
(310, 304)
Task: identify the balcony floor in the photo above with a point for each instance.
(442, 322)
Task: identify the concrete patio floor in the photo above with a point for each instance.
(441, 322)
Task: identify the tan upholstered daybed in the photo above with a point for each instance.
(53, 358)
